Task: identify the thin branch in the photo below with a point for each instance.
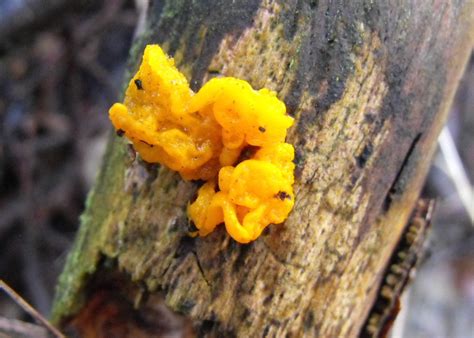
(17, 328)
(457, 172)
(399, 327)
(29, 309)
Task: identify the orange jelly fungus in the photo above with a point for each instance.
(226, 134)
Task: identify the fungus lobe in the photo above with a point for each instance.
(203, 136)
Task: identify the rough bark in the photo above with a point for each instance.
(369, 84)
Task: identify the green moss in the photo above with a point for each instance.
(172, 8)
(94, 230)
(97, 220)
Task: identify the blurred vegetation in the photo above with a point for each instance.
(60, 69)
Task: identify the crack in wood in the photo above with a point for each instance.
(397, 182)
(200, 268)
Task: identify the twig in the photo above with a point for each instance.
(29, 309)
(99, 22)
(457, 172)
(17, 328)
(142, 8)
(399, 327)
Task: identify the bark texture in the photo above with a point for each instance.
(369, 84)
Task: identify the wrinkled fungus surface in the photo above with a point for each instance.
(227, 134)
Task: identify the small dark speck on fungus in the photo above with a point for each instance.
(282, 195)
(148, 144)
(262, 129)
(192, 227)
(139, 84)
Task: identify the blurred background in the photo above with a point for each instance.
(61, 67)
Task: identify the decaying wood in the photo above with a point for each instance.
(399, 271)
(369, 84)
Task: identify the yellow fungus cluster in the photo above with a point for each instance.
(227, 134)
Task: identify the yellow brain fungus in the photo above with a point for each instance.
(227, 134)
